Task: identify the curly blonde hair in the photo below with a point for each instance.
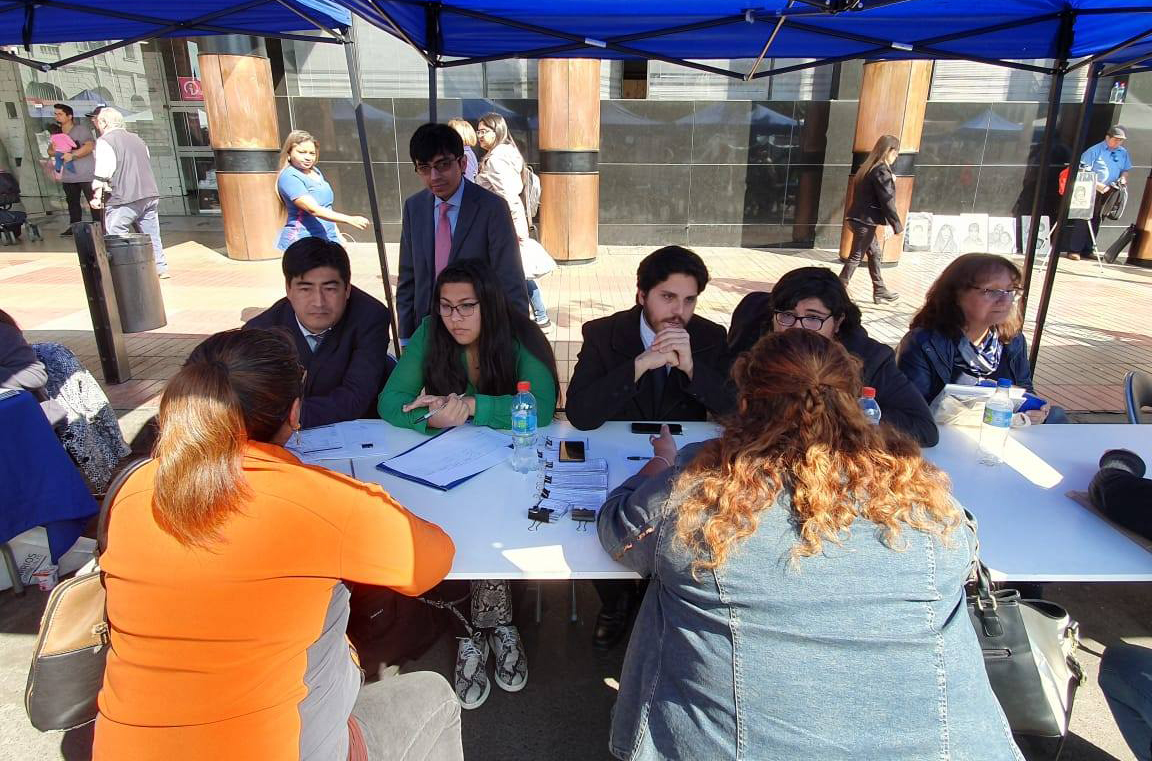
(799, 429)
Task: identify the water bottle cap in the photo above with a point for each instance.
(523, 387)
(1004, 383)
(868, 392)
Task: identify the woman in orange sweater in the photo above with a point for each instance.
(225, 572)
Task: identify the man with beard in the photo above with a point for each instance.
(653, 362)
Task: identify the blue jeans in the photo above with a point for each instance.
(536, 298)
(1057, 415)
(1126, 679)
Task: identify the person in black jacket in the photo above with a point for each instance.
(653, 362)
(341, 333)
(815, 299)
(873, 207)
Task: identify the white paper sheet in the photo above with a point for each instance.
(457, 454)
(312, 441)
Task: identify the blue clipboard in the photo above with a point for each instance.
(383, 466)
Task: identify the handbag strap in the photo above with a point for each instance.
(109, 497)
(985, 603)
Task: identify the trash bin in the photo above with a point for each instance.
(135, 281)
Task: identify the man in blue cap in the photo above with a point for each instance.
(1110, 162)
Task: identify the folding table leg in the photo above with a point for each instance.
(574, 618)
(13, 571)
(539, 592)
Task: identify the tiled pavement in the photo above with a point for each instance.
(1099, 326)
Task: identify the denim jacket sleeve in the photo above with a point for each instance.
(630, 521)
(1018, 362)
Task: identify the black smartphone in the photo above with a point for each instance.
(675, 428)
(571, 451)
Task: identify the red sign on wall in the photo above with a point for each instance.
(190, 88)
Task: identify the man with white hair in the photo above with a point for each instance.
(125, 184)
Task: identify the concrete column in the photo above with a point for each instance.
(569, 97)
(892, 100)
(237, 82)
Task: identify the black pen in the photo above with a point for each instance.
(638, 457)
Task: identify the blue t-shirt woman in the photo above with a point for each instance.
(307, 196)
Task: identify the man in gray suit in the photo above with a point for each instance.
(451, 219)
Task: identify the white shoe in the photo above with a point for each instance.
(471, 678)
(511, 662)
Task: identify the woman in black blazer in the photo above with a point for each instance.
(873, 207)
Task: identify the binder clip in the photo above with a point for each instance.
(583, 516)
(539, 515)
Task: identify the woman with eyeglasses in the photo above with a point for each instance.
(969, 330)
(225, 567)
(306, 195)
(462, 365)
(502, 171)
(813, 298)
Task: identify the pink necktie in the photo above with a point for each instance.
(443, 238)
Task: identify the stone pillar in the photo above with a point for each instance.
(1140, 254)
(892, 100)
(569, 97)
(237, 83)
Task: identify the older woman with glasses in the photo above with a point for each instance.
(813, 298)
(969, 330)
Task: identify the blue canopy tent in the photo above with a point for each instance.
(24, 23)
(1050, 37)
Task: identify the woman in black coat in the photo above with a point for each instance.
(813, 298)
(873, 207)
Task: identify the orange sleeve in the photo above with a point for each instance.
(385, 545)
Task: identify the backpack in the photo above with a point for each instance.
(531, 194)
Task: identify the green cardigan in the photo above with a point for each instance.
(407, 382)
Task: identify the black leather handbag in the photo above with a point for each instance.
(1028, 652)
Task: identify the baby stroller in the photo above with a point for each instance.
(11, 221)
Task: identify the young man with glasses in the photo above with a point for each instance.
(654, 362)
(450, 219)
(1110, 162)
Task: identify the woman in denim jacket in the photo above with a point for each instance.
(807, 592)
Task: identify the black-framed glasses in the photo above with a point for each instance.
(467, 309)
(441, 166)
(807, 321)
(997, 294)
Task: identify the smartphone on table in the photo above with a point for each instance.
(654, 428)
(571, 451)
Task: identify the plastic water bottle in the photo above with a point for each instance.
(869, 406)
(524, 458)
(997, 421)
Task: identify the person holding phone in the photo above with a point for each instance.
(653, 362)
(463, 365)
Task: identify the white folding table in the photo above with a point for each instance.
(1029, 529)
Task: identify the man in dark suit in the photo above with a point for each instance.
(341, 333)
(451, 219)
(653, 362)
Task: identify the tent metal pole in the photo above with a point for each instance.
(1125, 68)
(432, 35)
(1111, 51)
(350, 54)
(1062, 218)
(1044, 166)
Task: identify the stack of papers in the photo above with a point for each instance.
(573, 486)
(452, 457)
